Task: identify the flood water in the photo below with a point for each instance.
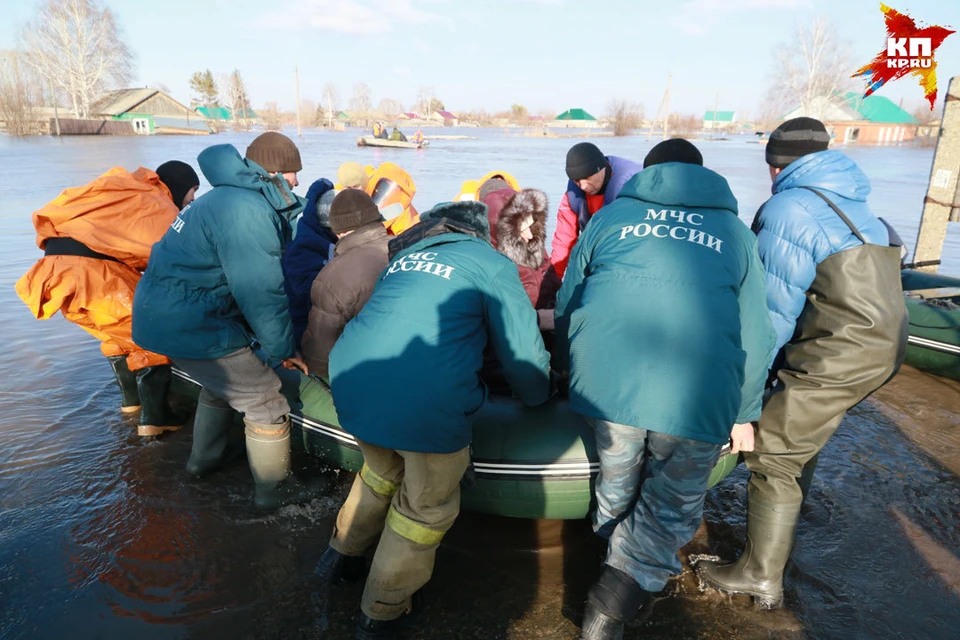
(102, 536)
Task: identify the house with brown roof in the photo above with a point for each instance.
(149, 112)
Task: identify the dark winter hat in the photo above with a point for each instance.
(179, 178)
(673, 150)
(583, 160)
(468, 212)
(794, 139)
(275, 152)
(352, 209)
(491, 185)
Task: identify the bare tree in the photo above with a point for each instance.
(519, 115)
(683, 126)
(20, 95)
(271, 116)
(77, 45)
(360, 102)
(427, 102)
(811, 70)
(309, 109)
(330, 101)
(626, 116)
(238, 101)
(389, 108)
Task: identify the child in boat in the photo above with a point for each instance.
(662, 324)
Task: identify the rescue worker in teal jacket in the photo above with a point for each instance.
(662, 323)
(405, 383)
(214, 284)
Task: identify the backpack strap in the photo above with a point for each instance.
(840, 213)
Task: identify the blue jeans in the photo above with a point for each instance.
(650, 494)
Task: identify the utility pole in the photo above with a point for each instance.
(56, 112)
(663, 111)
(296, 75)
(713, 127)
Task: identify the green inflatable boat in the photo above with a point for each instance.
(528, 463)
(933, 302)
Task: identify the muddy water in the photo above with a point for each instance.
(102, 536)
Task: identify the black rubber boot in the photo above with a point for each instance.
(130, 398)
(759, 570)
(156, 416)
(269, 458)
(335, 567)
(212, 446)
(370, 629)
(613, 601)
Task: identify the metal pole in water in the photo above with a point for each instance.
(941, 205)
(296, 75)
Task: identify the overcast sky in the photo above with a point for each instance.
(544, 54)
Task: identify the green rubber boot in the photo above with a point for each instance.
(130, 398)
(156, 416)
(759, 570)
(268, 452)
(212, 445)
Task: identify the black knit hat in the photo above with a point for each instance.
(352, 209)
(583, 160)
(794, 139)
(673, 150)
(275, 152)
(179, 178)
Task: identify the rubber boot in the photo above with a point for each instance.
(759, 570)
(335, 567)
(612, 602)
(370, 629)
(212, 446)
(130, 398)
(268, 452)
(156, 416)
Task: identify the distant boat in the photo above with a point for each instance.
(370, 141)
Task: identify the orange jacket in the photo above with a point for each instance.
(120, 214)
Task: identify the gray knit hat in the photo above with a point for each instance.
(275, 152)
(794, 139)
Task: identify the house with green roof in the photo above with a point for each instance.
(149, 111)
(853, 119)
(719, 119)
(575, 118)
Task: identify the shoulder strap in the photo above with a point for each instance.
(840, 213)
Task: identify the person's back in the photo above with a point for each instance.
(218, 268)
(433, 310)
(656, 307)
(797, 230)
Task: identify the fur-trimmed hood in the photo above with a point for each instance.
(527, 203)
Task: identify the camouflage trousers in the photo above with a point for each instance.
(650, 494)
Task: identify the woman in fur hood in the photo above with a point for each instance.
(518, 225)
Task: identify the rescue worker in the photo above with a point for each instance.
(418, 136)
(214, 284)
(595, 181)
(397, 135)
(345, 285)
(662, 324)
(835, 297)
(379, 130)
(393, 189)
(311, 249)
(444, 294)
(97, 240)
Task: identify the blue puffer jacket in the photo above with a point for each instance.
(310, 251)
(797, 230)
(214, 281)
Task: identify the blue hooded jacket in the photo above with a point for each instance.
(796, 230)
(310, 251)
(214, 281)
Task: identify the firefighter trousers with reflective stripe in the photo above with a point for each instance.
(413, 499)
